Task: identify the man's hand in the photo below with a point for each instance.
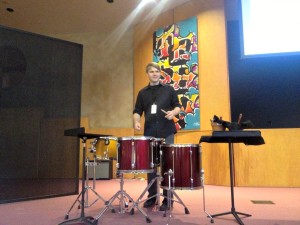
(169, 114)
(137, 125)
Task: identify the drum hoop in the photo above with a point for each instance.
(137, 171)
(158, 139)
(108, 137)
(136, 138)
(179, 145)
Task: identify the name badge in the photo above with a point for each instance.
(153, 109)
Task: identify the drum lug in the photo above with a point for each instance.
(133, 154)
(173, 181)
(192, 183)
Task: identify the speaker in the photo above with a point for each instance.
(102, 169)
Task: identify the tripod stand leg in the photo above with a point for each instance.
(121, 194)
(181, 202)
(146, 189)
(243, 214)
(81, 221)
(76, 200)
(112, 199)
(98, 197)
(186, 210)
(237, 218)
(136, 205)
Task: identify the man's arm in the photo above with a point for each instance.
(136, 121)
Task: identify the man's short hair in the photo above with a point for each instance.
(152, 64)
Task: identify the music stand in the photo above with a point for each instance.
(82, 220)
(230, 137)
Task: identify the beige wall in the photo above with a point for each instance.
(107, 78)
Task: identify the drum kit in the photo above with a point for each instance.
(177, 167)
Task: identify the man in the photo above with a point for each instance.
(160, 104)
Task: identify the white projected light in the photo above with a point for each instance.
(270, 26)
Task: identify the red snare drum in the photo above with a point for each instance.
(185, 162)
(135, 155)
(156, 149)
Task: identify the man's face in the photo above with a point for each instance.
(153, 75)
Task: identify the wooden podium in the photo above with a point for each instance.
(230, 137)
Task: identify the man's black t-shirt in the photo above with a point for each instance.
(164, 97)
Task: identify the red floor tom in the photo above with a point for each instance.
(184, 161)
(135, 155)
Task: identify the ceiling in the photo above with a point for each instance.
(78, 16)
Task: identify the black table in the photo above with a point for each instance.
(230, 137)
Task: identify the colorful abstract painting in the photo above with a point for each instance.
(175, 49)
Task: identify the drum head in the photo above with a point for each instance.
(108, 138)
(135, 138)
(180, 145)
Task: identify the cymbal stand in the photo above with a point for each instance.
(123, 196)
(88, 187)
(82, 219)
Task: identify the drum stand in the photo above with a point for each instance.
(171, 192)
(170, 173)
(94, 163)
(157, 196)
(122, 196)
(202, 185)
(86, 189)
(169, 203)
(203, 191)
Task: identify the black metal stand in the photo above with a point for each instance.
(233, 211)
(82, 220)
(247, 137)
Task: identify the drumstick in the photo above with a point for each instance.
(240, 118)
(164, 111)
